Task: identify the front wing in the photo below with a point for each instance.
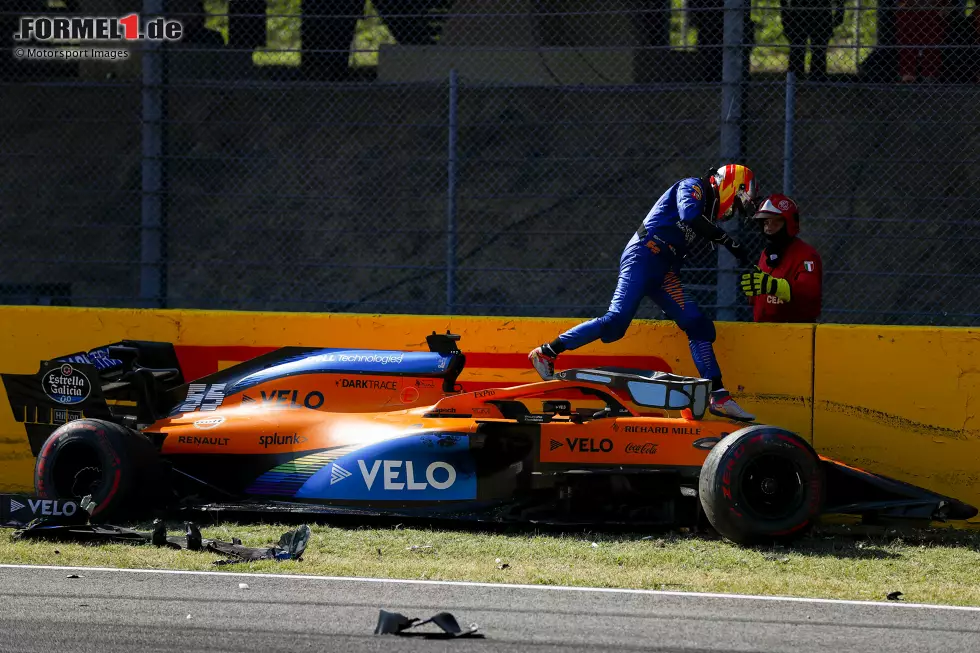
(854, 491)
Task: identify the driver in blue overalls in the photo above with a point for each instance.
(650, 265)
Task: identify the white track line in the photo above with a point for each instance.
(553, 588)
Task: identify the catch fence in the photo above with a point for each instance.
(486, 157)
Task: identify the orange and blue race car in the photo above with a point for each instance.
(376, 432)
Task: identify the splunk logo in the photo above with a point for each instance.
(276, 440)
(397, 475)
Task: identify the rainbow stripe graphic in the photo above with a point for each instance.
(286, 479)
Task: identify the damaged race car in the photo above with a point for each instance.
(366, 432)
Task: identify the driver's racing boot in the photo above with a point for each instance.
(543, 360)
(723, 405)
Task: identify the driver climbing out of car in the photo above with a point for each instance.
(650, 266)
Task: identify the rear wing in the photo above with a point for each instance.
(126, 382)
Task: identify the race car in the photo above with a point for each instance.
(381, 432)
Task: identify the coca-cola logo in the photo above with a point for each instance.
(647, 448)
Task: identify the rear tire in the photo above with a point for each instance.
(762, 484)
(114, 464)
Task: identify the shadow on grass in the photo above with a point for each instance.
(834, 547)
(837, 541)
(834, 540)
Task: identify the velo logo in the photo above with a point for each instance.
(399, 475)
(45, 507)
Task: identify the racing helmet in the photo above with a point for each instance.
(781, 205)
(735, 190)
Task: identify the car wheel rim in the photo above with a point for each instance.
(77, 472)
(772, 487)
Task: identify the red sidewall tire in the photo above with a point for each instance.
(127, 461)
(726, 490)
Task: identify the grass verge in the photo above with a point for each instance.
(926, 566)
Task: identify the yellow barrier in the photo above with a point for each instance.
(767, 366)
(901, 401)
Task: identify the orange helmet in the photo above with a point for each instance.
(735, 190)
(784, 207)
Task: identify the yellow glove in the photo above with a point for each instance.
(761, 283)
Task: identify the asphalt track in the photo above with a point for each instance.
(110, 610)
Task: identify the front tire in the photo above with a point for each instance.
(115, 465)
(762, 484)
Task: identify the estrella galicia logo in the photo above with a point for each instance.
(66, 385)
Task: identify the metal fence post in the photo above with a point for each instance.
(790, 123)
(152, 263)
(858, 16)
(451, 199)
(731, 141)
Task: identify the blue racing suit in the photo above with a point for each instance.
(649, 266)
